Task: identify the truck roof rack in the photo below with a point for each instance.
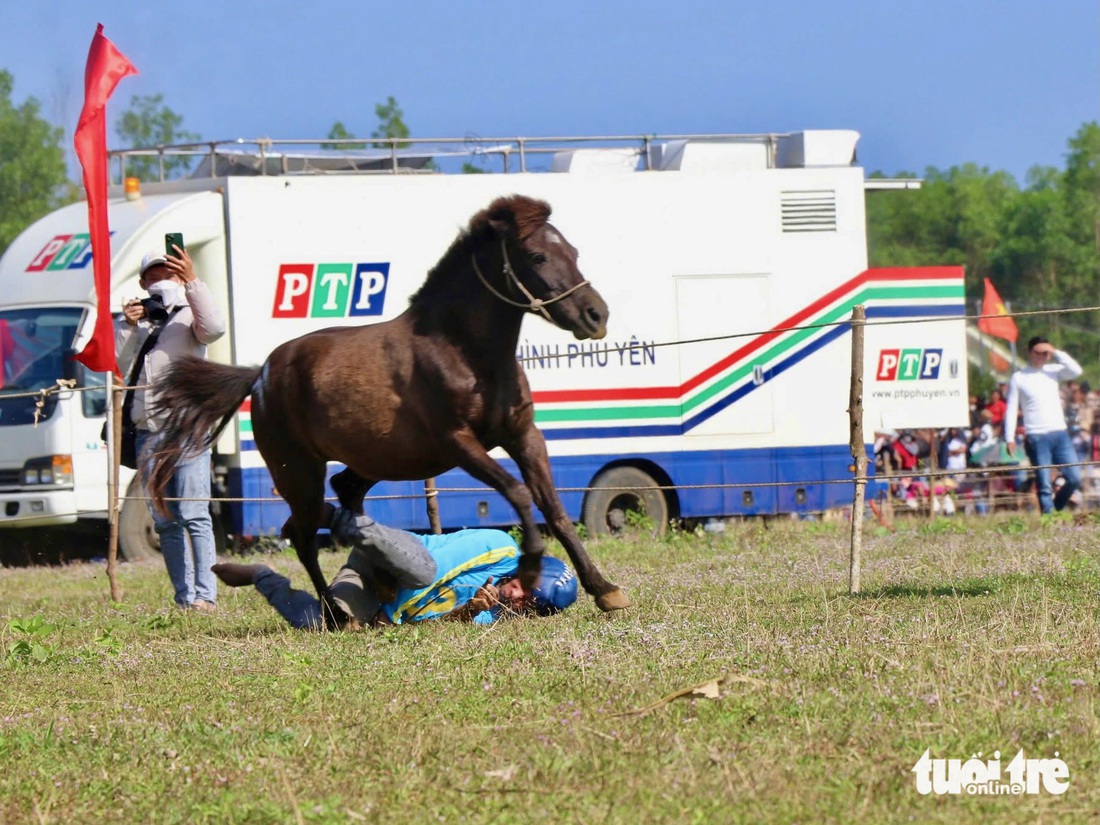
(585, 154)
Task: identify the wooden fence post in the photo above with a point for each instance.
(934, 463)
(433, 505)
(114, 453)
(859, 449)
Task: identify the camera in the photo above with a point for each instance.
(155, 310)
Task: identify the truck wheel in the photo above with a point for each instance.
(615, 512)
(137, 539)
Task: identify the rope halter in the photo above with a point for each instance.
(533, 304)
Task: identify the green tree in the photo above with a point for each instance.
(1083, 187)
(897, 225)
(1037, 262)
(956, 217)
(1082, 183)
(1050, 257)
(1040, 244)
(149, 123)
(391, 123)
(340, 132)
(33, 179)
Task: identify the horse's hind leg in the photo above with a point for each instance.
(350, 488)
(534, 464)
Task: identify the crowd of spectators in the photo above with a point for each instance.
(984, 470)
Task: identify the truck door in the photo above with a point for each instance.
(713, 307)
(728, 408)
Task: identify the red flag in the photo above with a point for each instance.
(106, 67)
(1003, 327)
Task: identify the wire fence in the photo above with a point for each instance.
(63, 384)
(68, 386)
(881, 479)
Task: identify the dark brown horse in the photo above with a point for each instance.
(407, 399)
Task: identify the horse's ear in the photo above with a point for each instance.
(516, 216)
(501, 218)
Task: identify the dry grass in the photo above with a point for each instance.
(972, 636)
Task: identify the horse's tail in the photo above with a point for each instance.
(197, 399)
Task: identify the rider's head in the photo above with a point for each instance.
(555, 590)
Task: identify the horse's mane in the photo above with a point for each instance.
(521, 215)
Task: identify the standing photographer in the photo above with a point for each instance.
(183, 309)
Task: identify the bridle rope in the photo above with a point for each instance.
(533, 304)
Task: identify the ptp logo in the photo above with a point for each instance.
(909, 364)
(330, 290)
(63, 252)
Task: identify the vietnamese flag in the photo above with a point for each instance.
(1001, 327)
(105, 68)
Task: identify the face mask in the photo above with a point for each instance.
(167, 291)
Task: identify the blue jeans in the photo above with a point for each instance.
(303, 610)
(1053, 448)
(188, 568)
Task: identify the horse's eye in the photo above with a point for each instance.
(539, 258)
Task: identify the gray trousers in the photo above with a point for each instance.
(375, 548)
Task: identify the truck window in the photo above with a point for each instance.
(93, 401)
(34, 353)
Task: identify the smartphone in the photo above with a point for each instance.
(171, 238)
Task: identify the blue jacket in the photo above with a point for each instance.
(465, 561)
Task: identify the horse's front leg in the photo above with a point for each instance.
(302, 485)
(473, 458)
(302, 533)
(530, 454)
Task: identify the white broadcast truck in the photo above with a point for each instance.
(707, 249)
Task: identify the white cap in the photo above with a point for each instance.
(152, 259)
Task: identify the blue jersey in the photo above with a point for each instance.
(465, 561)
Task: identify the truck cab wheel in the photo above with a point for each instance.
(641, 507)
(137, 539)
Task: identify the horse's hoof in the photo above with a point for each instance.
(612, 600)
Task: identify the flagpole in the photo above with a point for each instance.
(985, 346)
(105, 67)
(1012, 343)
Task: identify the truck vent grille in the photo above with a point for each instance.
(10, 478)
(809, 211)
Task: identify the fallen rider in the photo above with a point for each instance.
(393, 577)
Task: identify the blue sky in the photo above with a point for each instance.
(1003, 83)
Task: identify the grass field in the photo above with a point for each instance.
(972, 636)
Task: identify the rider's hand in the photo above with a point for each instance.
(1011, 447)
(485, 598)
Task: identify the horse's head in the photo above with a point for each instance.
(540, 268)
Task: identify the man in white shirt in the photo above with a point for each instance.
(1034, 391)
